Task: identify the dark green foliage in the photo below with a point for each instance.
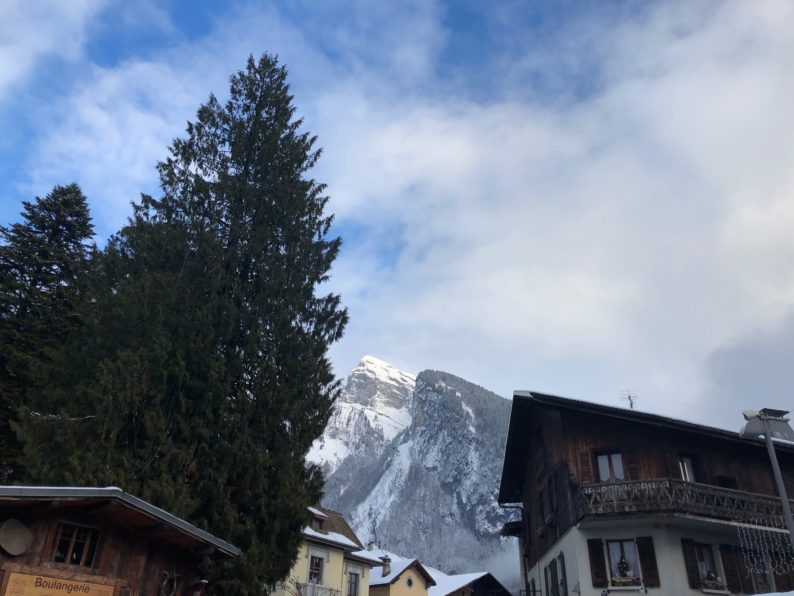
(202, 375)
(43, 260)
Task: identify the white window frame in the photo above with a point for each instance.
(324, 557)
(608, 560)
(359, 571)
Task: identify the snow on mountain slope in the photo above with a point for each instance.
(374, 407)
(435, 483)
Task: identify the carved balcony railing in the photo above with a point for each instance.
(669, 495)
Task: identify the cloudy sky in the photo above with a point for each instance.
(573, 197)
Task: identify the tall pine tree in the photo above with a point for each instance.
(43, 260)
(209, 338)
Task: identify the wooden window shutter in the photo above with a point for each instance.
(647, 554)
(730, 563)
(598, 563)
(691, 564)
(563, 577)
(586, 467)
(632, 464)
(546, 580)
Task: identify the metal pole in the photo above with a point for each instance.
(779, 480)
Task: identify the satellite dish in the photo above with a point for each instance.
(15, 537)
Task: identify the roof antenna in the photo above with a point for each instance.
(630, 397)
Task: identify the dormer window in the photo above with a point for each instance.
(317, 524)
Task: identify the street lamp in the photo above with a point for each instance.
(772, 424)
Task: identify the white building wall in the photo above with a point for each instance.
(666, 536)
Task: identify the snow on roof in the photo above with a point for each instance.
(334, 537)
(376, 577)
(317, 512)
(446, 584)
(367, 556)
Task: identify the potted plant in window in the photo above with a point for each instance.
(625, 574)
(712, 581)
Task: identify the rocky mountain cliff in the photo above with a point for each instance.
(415, 464)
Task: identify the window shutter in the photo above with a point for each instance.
(598, 563)
(632, 465)
(546, 580)
(647, 554)
(586, 467)
(563, 577)
(691, 564)
(730, 563)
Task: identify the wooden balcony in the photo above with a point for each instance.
(670, 495)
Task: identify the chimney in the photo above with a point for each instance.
(386, 565)
(370, 545)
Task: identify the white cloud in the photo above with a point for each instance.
(32, 31)
(601, 242)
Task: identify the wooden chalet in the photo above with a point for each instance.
(614, 499)
(99, 542)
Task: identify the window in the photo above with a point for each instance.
(761, 576)
(553, 578)
(352, 583)
(624, 565)
(316, 569)
(687, 467)
(317, 524)
(707, 566)
(533, 591)
(76, 545)
(410, 582)
(610, 467)
(546, 580)
(726, 482)
(563, 579)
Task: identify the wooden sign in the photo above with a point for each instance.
(22, 584)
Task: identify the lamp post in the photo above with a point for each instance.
(772, 424)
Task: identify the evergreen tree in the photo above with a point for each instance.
(208, 377)
(43, 259)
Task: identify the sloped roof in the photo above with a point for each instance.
(397, 568)
(335, 530)
(517, 436)
(121, 509)
(448, 584)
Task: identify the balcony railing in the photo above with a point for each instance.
(311, 589)
(669, 495)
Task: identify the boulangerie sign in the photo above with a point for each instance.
(23, 584)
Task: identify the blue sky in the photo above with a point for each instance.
(573, 197)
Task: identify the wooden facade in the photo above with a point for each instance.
(101, 542)
(557, 467)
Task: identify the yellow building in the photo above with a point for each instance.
(400, 577)
(331, 561)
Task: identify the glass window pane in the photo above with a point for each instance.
(690, 469)
(705, 557)
(613, 551)
(630, 554)
(617, 466)
(62, 550)
(93, 539)
(603, 468)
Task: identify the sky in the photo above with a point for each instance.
(576, 198)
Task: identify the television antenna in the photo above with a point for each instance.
(631, 397)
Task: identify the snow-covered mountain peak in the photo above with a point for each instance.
(374, 406)
(379, 385)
